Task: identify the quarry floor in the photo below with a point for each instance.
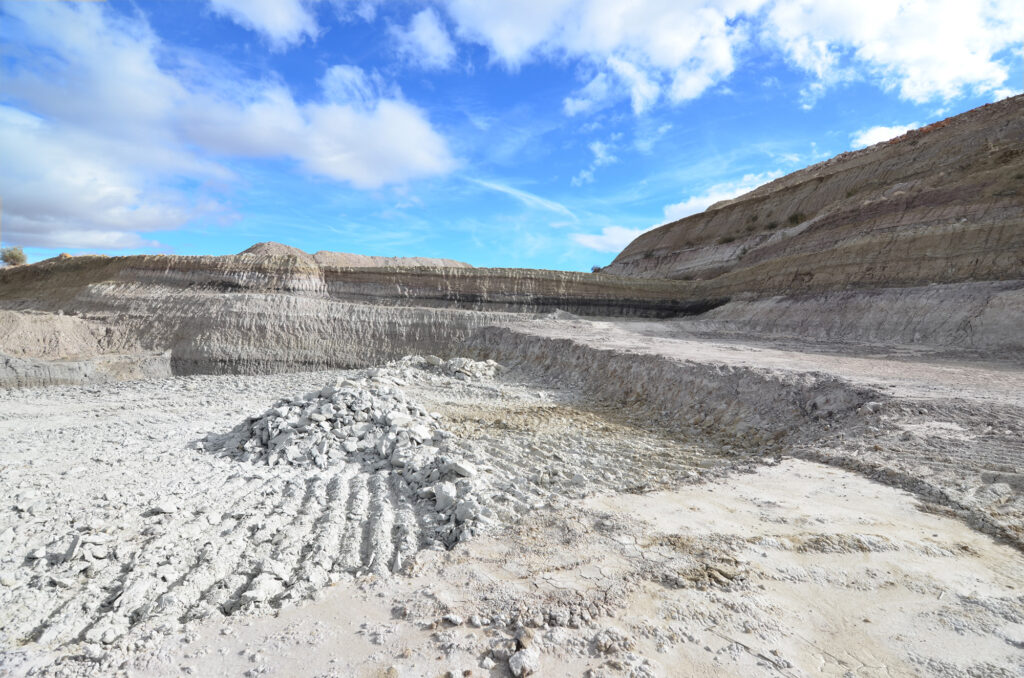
(633, 543)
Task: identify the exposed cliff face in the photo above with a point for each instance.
(261, 312)
(57, 283)
(942, 204)
(983, 318)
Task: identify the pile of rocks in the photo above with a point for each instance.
(375, 427)
(337, 424)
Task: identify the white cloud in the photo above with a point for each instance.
(602, 153)
(924, 50)
(1004, 93)
(585, 176)
(602, 156)
(391, 143)
(723, 191)
(343, 84)
(425, 42)
(63, 193)
(282, 22)
(643, 92)
(528, 199)
(610, 239)
(879, 133)
(590, 97)
(640, 47)
(352, 136)
(650, 50)
(109, 154)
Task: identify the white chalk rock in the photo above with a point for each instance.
(398, 420)
(444, 495)
(466, 510)
(525, 662)
(462, 468)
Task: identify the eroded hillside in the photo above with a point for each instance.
(940, 204)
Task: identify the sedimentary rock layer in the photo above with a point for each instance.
(941, 204)
(57, 283)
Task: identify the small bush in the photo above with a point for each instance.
(12, 256)
(772, 225)
(796, 218)
(726, 239)
(595, 269)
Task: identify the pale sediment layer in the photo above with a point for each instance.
(204, 331)
(952, 436)
(983, 318)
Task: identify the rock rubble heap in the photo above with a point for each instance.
(375, 427)
(335, 424)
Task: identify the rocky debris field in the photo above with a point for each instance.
(449, 516)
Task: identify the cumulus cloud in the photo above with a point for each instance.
(641, 48)
(922, 50)
(610, 239)
(879, 133)
(282, 22)
(425, 42)
(643, 91)
(723, 191)
(647, 51)
(62, 192)
(125, 134)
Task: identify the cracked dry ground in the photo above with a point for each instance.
(617, 549)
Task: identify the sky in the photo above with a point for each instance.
(505, 133)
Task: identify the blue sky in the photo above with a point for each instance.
(535, 133)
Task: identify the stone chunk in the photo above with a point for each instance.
(466, 510)
(463, 468)
(398, 420)
(525, 662)
(444, 495)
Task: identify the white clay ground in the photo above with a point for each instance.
(604, 547)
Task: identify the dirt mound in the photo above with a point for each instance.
(347, 260)
(275, 249)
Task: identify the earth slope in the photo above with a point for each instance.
(940, 204)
